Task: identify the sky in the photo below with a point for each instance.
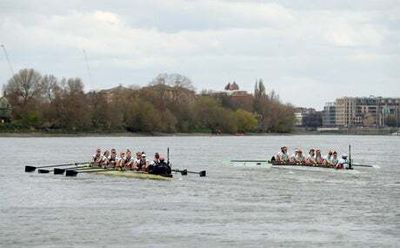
(308, 52)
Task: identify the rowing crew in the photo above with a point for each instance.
(314, 158)
(125, 161)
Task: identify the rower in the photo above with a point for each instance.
(282, 156)
(334, 159)
(343, 163)
(292, 158)
(318, 157)
(156, 159)
(328, 159)
(161, 168)
(128, 161)
(300, 159)
(104, 161)
(112, 159)
(136, 163)
(120, 161)
(97, 158)
(143, 163)
(311, 157)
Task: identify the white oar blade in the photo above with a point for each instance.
(251, 164)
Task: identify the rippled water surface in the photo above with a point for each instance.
(230, 207)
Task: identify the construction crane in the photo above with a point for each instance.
(8, 59)
(87, 68)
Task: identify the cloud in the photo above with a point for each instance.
(323, 46)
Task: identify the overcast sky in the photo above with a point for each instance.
(309, 52)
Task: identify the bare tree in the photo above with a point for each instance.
(173, 80)
(50, 87)
(25, 86)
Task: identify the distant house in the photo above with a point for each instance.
(110, 93)
(232, 86)
(308, 118)
(234, 98)
(5, 110)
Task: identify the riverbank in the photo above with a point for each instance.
(157, 134)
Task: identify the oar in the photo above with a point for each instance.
(185, 172)
(58, 171)
(29, 168)
(362, 165)
(72, 173)
(248, 160)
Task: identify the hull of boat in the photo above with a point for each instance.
(133, 174)
(127, 173)
(268, 165)
(305, 168)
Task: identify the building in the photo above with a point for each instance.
(365, 111)
(329, 115)
(299, 118)
(232, 97)
(5, 110)
(308, 118)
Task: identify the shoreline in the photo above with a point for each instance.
(130, 134)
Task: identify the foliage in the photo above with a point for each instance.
(168, 104)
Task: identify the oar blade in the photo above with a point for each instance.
(363, 165)
(43, 171)
(71, 173)
(29, 168)
(202, 173)
(58, 171)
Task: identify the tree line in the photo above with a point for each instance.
(168, 104)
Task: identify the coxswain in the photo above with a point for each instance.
(97, 158)
(343, 163)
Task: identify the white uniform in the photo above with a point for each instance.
(98, 159)
(311, 157)
(283, 156)
(300, 158)
(328, 158)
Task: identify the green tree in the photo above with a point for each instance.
(246, 121)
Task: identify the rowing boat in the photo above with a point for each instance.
(279, 165)
(118, 173)
(254, 163)
(133, 174)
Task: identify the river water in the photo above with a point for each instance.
(241, 207)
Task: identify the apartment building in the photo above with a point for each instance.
(365, 111)
(329, 115)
